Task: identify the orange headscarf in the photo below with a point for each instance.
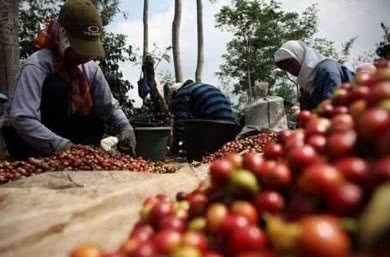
(71, 74)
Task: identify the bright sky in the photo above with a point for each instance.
(340, 20)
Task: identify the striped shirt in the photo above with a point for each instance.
(199, 101)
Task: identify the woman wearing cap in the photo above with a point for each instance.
(317, 75)
(61, 96)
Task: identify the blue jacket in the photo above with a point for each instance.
(329, 75)
(199, 101)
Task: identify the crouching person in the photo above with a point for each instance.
(61, 95)
(191, 100)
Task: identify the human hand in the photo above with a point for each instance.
(127, 141)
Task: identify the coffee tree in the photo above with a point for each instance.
(259, 28)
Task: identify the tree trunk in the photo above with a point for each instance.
(146, 28)
(176, 41)
(250, 89)
(250, 92)
(159, 106)
(9, 44)
(199, 66)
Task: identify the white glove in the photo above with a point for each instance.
(295, 110)
(109, 144)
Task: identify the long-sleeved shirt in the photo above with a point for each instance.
(329, 75)
(25, 115)
(199, 101)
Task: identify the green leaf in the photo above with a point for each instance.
(259, 28)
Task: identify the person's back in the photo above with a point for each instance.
(200, 101)
(330, 65)
(328, 75)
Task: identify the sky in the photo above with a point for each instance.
(340, 20)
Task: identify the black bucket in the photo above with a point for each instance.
(152, 142)
(204, 137)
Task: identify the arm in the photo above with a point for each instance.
(305, 102)
(325, 83)
(330, 82)
(181, 112)
(106, 106)
(25, 114)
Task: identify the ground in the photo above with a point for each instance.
(49, 214)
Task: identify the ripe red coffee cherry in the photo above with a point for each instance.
(269, 202)
(273, 151)
(319, 179)
(301, 157)
(345, 199)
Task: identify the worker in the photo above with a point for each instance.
(317, 75)
(367, 67)
(191, 100)
(61, 96)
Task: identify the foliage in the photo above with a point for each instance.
(370, 55)
(386, 34)
(154, 110)
(35, 15)
(366, 57)
(346, 50)
(285, 87)
(259, 27)
(384, 46)
(159, 56)
(145, 116)
(165, 77)
(117, 52)
(328, 48)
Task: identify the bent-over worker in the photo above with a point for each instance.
(61, 95)
(191, 100)
(318, 76)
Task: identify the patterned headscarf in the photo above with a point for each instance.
(366, 68)
(56, 40)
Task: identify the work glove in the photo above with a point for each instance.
(65, 147)
(109, 144)
(126, 141)
(295, 110)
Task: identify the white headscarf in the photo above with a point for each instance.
(307, 57)
(170, 91)
(177, 86)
